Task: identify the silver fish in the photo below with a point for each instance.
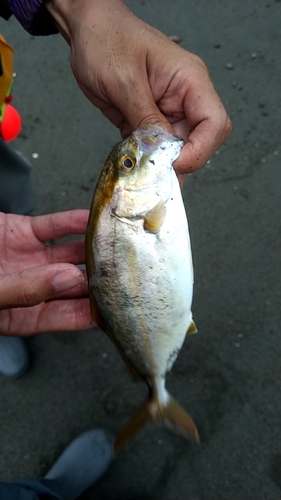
(140, 268)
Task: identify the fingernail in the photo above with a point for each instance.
(67, 279)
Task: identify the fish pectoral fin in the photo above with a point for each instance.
(153, 412)
(155, 217)
(192, 328)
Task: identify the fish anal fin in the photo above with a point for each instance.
(192, 328)
(154, 219)
(152, 411)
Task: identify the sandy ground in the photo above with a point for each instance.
(228, 376)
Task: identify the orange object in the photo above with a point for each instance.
(6, 66)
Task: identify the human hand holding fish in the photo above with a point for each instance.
(41, 289)
(137, 76)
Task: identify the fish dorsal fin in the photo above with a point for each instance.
(192, 328)
(155, 217)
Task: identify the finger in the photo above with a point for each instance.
(210, 126)
(65, 315)
(201, 145)
(55, 316)
(73, 252)
(143, 114)
(77, 292)
(141, 111)
(58, 225)
(132, 96)
(128, 114)
(37, 284)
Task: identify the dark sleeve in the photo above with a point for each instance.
(5, 10)
(32, 15)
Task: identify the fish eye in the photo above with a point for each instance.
(126, 163)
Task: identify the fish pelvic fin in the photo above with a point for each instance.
(152, 412)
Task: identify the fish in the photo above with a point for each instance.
(140, 270)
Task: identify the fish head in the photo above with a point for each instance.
(144, 170)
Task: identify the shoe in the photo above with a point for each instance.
(14, 357)
(80, 465)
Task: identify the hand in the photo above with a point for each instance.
(40, 288)
(137, 76)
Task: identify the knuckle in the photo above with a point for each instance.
(151, 119)
(200, 63)
(30, 295)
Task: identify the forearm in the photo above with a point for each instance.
(45, 17)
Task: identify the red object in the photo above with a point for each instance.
(10, 126)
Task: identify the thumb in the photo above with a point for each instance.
(139, 108)
(37, 284)
(143, 112)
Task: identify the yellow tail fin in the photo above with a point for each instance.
(152, 412)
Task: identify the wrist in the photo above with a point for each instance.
(68, 15)
(61, 12)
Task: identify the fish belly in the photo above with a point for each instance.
(143, 284)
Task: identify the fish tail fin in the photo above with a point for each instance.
(171, 414)
(178, 419)
(140, 418)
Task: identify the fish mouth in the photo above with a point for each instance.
(151, 138)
